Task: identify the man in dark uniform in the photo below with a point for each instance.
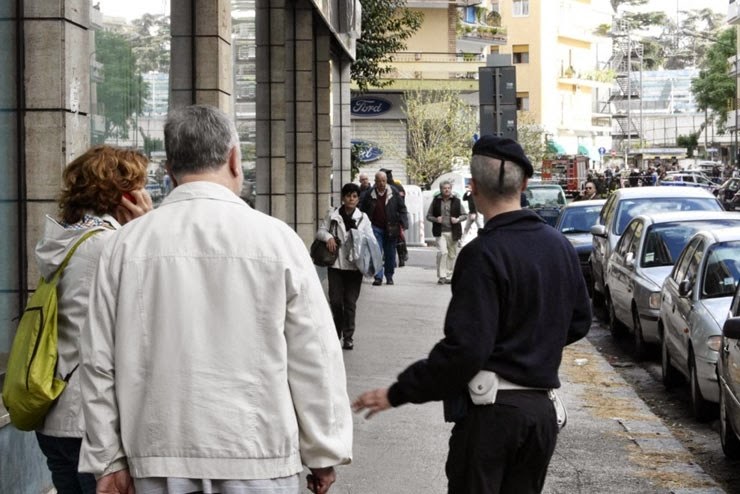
(518, 297)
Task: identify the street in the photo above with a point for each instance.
(625, 434)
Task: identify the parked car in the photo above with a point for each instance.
(546, 199)
(694, 304)
(623, 205)
(641, 261)
(575, 222)
(729, 381)
(727, 192)
(689, 179)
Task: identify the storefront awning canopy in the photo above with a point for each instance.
(583, 150)
(555, 148)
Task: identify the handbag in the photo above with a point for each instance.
(320, 254)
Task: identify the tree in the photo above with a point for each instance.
(440, 126)
(690, 142)
(531, 136)
(714, 89)
(123, 90)
(152, 43)
(386, 25)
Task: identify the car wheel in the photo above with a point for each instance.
(640, 345)
(701, 408)
(730, 441)
(616, 327)
(668, 373)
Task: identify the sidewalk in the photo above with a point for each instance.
(612, 443)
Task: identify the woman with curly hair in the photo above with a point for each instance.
(102, 190)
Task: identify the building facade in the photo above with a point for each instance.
(303, 51)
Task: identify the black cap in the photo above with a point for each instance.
(503, 148)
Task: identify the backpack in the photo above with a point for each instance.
(31, 386)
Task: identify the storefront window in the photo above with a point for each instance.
(10, 283)
(129, 81)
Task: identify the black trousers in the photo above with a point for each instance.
(62, 456)
(344, 290)
(505, 447)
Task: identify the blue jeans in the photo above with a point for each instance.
(62, 457)
(388, 249)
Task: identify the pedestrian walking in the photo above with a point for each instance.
(345, 279)
(209, 361)
(102, 189)
(473, 216)
(446, 215)
(386, 209)
(364, 182)
(517, 283)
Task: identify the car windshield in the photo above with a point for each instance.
(721, 271)
(665, 241)
(629, 208)
(579, 219)
(545, 196)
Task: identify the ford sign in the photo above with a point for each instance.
(369, 106)
(366, 151)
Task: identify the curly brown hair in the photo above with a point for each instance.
(96, 180)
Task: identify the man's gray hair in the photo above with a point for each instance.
(198, 138)
(443, 183)
(486, 173)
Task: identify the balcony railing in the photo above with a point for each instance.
(489, 35)
(436, 65)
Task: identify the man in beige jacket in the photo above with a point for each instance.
(210, 359)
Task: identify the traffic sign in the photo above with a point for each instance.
(602, 151)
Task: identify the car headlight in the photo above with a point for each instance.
(714, 342)
(654, 300)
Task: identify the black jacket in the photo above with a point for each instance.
(518, 297)
(455, 212)
(395, 208)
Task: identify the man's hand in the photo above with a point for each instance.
(454, 221)
(119, 482)
(373, 401)
(321, 479)
(331, 245)
(439, 219)
(128, 210)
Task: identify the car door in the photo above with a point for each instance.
(730, 355)
(684, 308)
(670, 295)
(620, 269)
(599, 244)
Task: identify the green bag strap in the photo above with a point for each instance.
(59, 270)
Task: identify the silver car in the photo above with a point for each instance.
(623, 205)
(728, 372)
(694, 304)
(642, 259)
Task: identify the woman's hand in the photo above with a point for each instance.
(129, 210)
(331, 245)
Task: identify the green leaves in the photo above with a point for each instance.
(715, 87)
(386, 25)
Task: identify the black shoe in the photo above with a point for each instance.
(348, 344)
(377, 282)
(401, 263)
(448, 281)
(389, 281)
(441, 281)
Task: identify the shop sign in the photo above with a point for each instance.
(369, 106)
(368, 151)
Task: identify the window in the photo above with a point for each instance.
(682, 265)
(521, 8)
(520, 53)
(470, 16)
(522, 101)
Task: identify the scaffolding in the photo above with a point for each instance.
(625, 102)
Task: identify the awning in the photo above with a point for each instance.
(583, 150)
(555, 148)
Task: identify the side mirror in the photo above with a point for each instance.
(598, 230)
(731, 329)
(629, 259)
(684, 288)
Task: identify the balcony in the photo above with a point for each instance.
(733, 12)
(447, 70)
(479, 35)
(441, 4)
(586, 78)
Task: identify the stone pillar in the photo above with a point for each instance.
(451, 28)
(201, 70)
(56, 86)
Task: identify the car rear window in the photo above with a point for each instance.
(721, 270)
(629, 208)
(664, 242)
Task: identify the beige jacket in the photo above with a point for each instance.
(210, 350)
(65, 417)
